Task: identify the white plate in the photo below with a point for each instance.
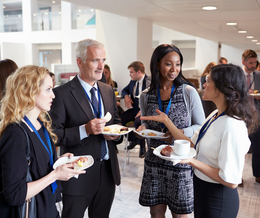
(115, 130)
(257, 94)
(64, 160)
(144, 133)
(157, 152)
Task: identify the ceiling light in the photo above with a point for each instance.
(254, 40)
(79, 10)
(53, 2)
(231, 24)
(3, 6)
(258, 43)
(209, 8)
(91, 10)
(34, 15)
(242, 31)
(250, 37)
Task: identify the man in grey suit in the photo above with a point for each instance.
(77, 114)
(249, 60)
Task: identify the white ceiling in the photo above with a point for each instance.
(187, 16)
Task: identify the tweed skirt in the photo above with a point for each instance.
(170, 185)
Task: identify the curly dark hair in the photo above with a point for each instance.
(230, 80)
(157, 55)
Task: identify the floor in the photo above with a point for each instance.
(126, 203)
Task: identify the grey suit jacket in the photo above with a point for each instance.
(70, 110)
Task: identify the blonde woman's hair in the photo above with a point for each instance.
(208, 69)
(21, 89)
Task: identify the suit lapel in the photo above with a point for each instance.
(79, 94)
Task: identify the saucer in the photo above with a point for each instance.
(157, 152)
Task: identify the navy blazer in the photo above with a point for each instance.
(128, 90)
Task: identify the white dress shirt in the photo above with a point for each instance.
(82, 130)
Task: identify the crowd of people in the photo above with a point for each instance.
(71, 116)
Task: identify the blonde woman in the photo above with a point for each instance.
(109, 80)
(26, 102)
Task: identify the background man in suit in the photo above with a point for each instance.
(131, 93)
(222, 60)
(249, 60)
(77, 113)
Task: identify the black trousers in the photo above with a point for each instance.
(214, 200)
(255, 146)
(98, 204)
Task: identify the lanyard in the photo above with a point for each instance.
(160, 102)
(206, 126)
(47, 137)
(98, 115)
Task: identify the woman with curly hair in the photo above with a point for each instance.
(221, 143)
(24, 108)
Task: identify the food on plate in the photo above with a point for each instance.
(115, 130)
(107, 129)
(166, 151)
(80, 161)
(124, 129)
(255, 91)
(151, 134)
(143, 133)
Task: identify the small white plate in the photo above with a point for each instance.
(256, 95)
(144, 133)
(115, 130)
(157, 152)
(64, 160)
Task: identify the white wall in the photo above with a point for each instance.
(119, 35)
(7, 50)
(233, 55)
(206, 52)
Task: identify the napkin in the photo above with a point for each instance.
(174, 162)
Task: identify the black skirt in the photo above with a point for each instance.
(213, 200)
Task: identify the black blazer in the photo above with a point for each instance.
(13, 171)
(70, 110)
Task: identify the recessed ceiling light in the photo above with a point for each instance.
(3, 6)
(250, 37)
(242, 31)
(231, 24)
(53, 2)
(209, 8)
(258, 43)
(254, 40)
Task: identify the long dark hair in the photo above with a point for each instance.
(7, 67)
(157, 55)
(230, 80)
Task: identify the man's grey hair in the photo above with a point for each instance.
(83, 45)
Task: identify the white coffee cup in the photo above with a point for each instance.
(181, 147)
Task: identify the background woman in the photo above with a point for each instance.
(164, 184)
(221, 151)
(28, 96)
(109, 80)
(7, 67)
(208, 106)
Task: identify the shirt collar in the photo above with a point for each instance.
(141, 80)
(85, 85)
